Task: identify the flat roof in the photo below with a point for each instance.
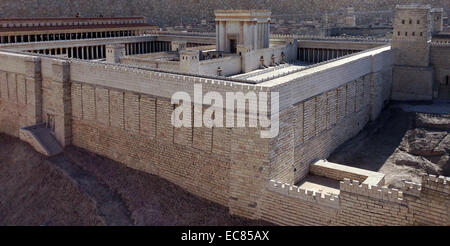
(72, 18)
(48, 28)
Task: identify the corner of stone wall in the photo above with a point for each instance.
(33, 80)
(63, 102)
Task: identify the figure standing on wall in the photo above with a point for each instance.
(78, 15)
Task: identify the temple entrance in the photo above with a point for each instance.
(233, 48)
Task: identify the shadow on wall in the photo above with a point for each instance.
(371, 148)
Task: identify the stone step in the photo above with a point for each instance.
(42, 139)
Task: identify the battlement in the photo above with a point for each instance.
(373, 191)
(414, 6)
(432, 182)
(440, 44)
(325, 199)
(339, 38)
(412, 188)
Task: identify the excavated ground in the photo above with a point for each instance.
(402, 144)
(80, 188)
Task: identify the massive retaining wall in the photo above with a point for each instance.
(20, 97)
(124, 114)
(323, 106)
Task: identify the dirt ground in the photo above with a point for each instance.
(80, 188)
(401, 145)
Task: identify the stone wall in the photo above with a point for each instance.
(360, 204)
(149, 63)
(20, 94)
(439, 58)
(124, 114)
(118, 113)
(174, 12)
(135, 129)
(323, 106)
(412, 83)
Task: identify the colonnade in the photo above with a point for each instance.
(94, 52)
(316, 55)
(83, 52)
(190, 44)
(8, 39)
(147, 47)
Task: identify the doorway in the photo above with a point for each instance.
(51, 122)
(233, 48)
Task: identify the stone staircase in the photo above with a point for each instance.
(42, 139)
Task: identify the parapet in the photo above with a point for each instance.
(325, 199)
(437, 10)
(414, 6)
(412, 188)
(432, 182)
(373, 191)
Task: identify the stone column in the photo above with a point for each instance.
(223, 36)
(314, 60)
(62, 103)
(218, 35)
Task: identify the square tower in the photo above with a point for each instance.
(412, 73)
(114, 52)
(244, 28)
(412, 35)
(437, 15)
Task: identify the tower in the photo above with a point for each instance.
(190, 61)
(437, 20)
(412, 35)
(114, 52)
(412, 74)
(244, 28)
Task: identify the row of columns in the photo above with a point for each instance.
(312, 55)
(190, 45)
(147, 47)
(66, 36)
(99, 51)
(84, 52)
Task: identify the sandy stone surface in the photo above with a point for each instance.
(401, 145)
(80, 188)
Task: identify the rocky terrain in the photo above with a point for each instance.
(401, 145)
(79, 188)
